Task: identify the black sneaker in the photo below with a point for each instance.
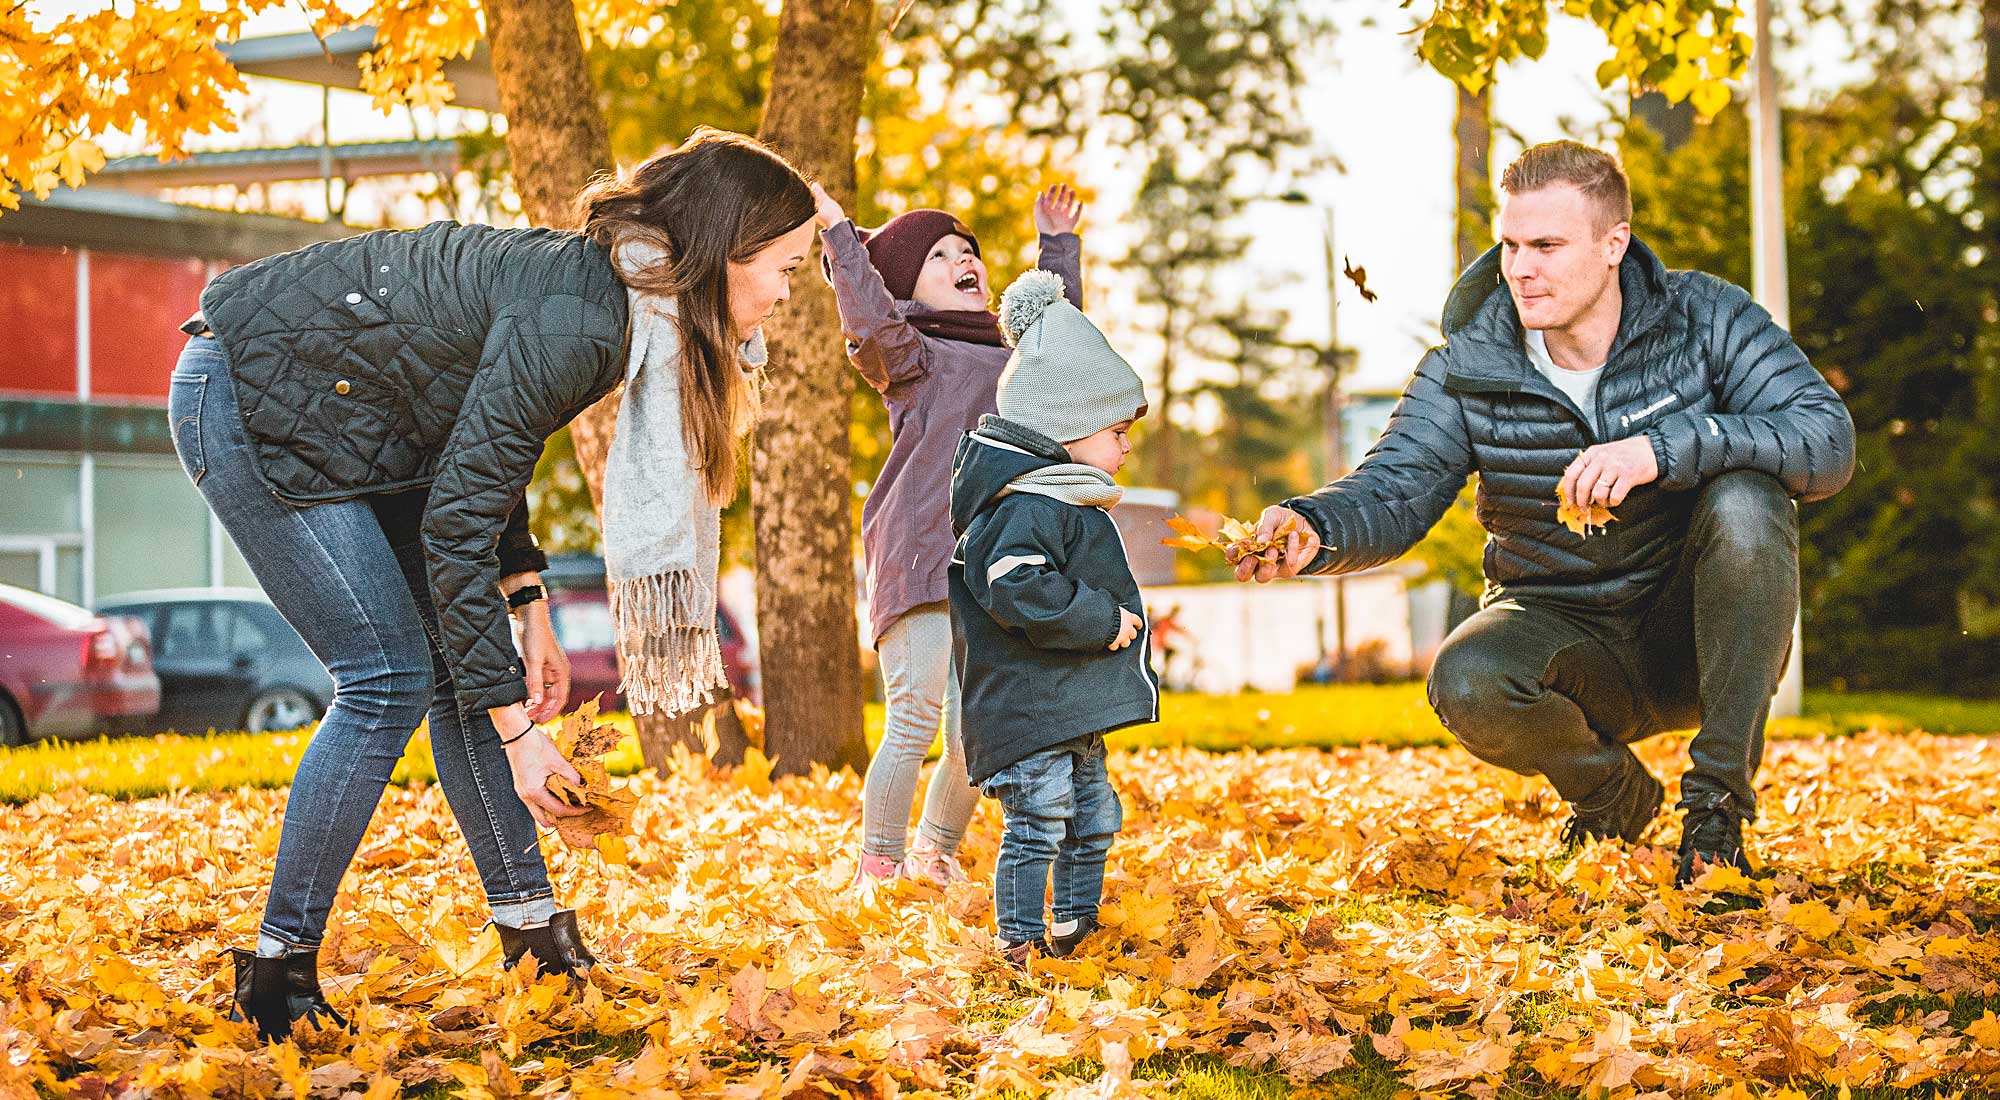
(1712, 836)
(1579, 831)
(1018, 954)
(1632, 807)
(1063, 944)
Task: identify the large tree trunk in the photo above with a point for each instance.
(1991, 34)
(555, 134)
(808, 641)
(658, 734)
(1473, 134)
(556, 139)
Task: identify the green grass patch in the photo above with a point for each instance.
(1207, 1077)
(1838, 713)
(1964, 1010)
(1312, 717)
(1330, 716)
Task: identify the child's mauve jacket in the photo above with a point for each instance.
(936, 391)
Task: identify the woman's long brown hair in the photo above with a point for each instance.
(720, 197)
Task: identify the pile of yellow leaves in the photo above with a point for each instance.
(1319, 913)
(583, 741)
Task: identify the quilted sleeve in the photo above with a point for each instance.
(541, 366)
(1412, 474)
(1774, 412)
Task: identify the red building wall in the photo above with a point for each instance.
(38, 296)
(137, 304)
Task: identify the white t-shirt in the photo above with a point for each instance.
(1580, 385)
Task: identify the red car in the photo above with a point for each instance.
(65, 672)
(581, 613)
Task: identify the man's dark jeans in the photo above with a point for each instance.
(1538, 689)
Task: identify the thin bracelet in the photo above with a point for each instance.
(518, 736)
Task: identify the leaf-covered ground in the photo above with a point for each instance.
(1362, 921)
(1313, 716)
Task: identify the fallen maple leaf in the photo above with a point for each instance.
(1267, 908)
(1581, 521)
(583, 740)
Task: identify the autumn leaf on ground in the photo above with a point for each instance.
(1581, 521)
(1359, 277)
(583, 741)
(1263, 911)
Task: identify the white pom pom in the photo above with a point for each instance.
(1022, 305)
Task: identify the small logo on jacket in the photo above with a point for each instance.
(1626, 421)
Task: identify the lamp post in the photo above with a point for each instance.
(1336, 448)
(1768, 277)
(1336, 457)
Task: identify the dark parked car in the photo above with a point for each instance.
(227, 660)
(581, 613)
(65, 672)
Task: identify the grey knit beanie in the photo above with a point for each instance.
(1063, 380)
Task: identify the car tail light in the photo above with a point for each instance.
(136, 643)
(139, 653)
(101, 649)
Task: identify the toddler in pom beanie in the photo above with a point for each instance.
(1048, 626)
(913, 304)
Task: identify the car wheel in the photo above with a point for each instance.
(277, 710)
(13, 729)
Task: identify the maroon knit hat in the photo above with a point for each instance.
(898, 248)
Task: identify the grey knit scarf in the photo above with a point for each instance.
(1071, 483)
(662, 535)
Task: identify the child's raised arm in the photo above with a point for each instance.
(881, 343)
(1058, 211)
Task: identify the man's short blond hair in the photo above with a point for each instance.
(1594, 172)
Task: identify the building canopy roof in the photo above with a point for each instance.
(242, 167)
(337, 63)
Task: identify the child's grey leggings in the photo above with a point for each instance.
(921, 687)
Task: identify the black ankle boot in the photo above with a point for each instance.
(274, 993)
(557, 946)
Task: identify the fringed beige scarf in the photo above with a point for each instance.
(662, 535)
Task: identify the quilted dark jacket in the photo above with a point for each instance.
(1698, 369)
(438, 357)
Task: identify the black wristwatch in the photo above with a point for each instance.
(523, 596)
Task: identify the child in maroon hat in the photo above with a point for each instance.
(913, 303)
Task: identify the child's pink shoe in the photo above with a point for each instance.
(929, 863)
(875, 870)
